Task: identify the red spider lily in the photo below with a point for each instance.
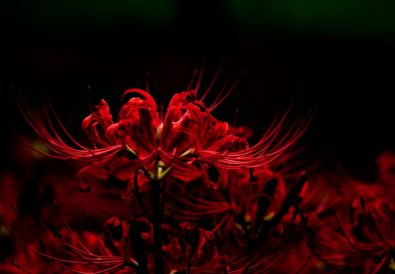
(360, 238)
(357, 234)
(184, 141)
(64, 250)
(193, 250)
(245, 212)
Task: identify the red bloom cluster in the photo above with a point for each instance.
(193, 197)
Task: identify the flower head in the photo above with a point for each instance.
(183, 143)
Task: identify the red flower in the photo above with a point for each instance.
(184, 143)
(357, 235)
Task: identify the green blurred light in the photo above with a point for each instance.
(329, 16)
(74, 13)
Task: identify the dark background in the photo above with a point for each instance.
(334, 55)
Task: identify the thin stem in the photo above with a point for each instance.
(157, 222)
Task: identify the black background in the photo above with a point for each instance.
(350, 77)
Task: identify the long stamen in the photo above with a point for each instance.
(199, 81)
(212, 81)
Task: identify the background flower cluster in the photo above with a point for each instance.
(183, 192)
